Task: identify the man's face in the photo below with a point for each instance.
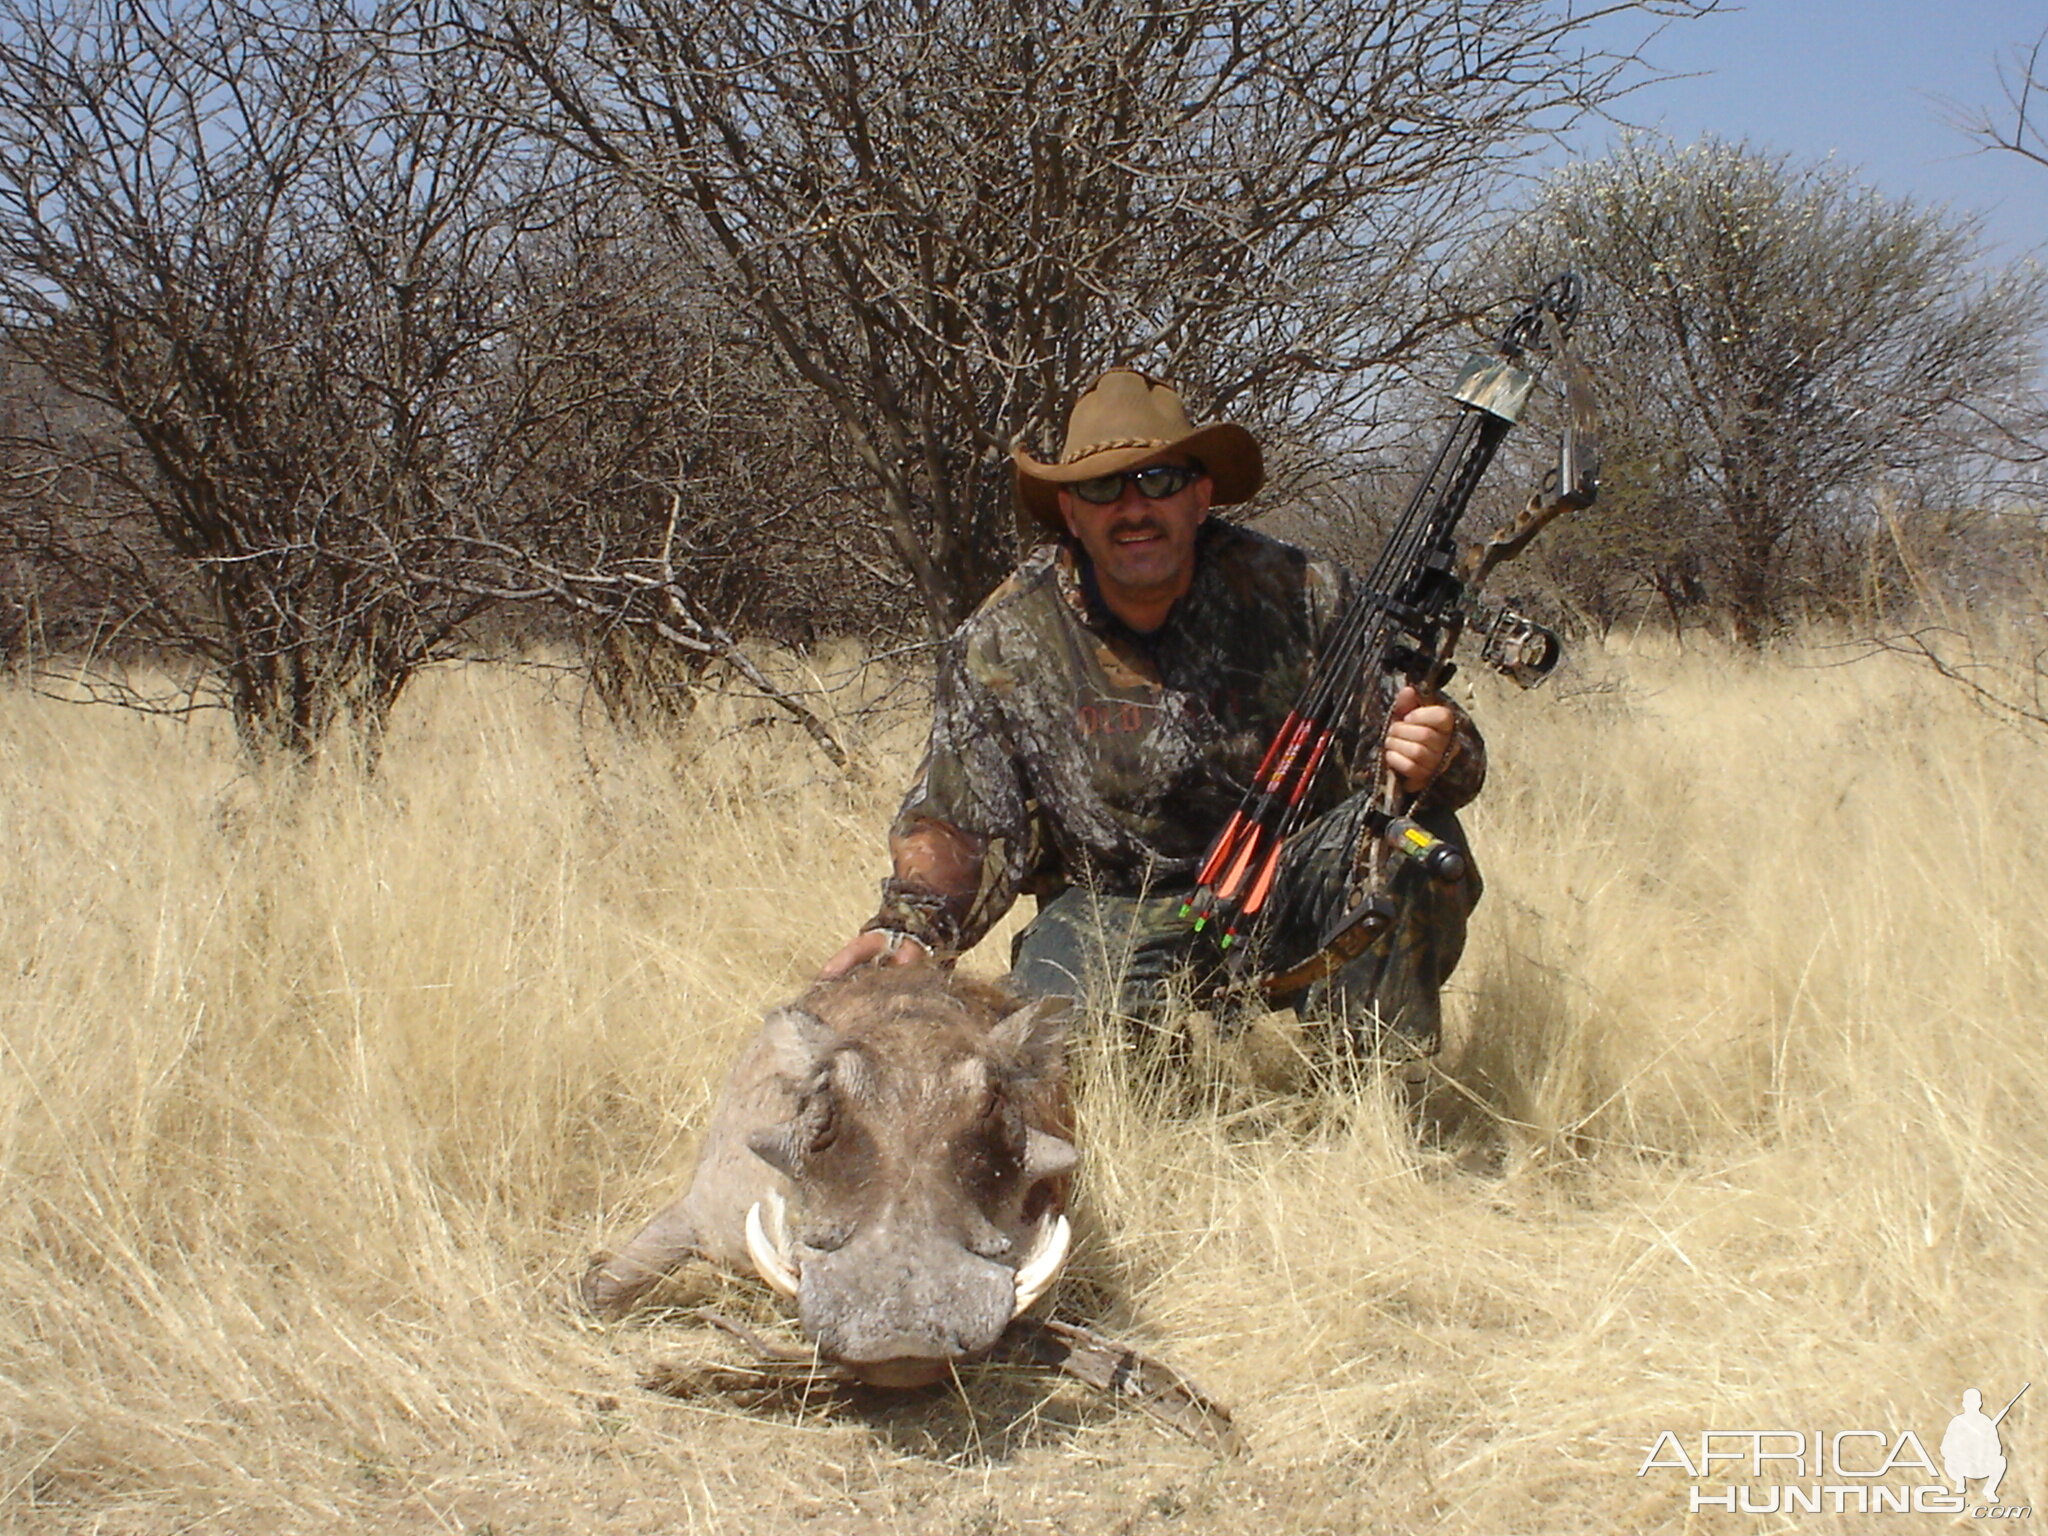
(1143, 547)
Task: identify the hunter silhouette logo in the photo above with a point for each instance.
(1845, 1471)
(1971, 1446)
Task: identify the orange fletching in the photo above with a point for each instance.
(1239, 869)
(1263, 886)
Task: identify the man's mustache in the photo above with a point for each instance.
(1144, 525)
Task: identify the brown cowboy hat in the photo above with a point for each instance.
(1125, 419)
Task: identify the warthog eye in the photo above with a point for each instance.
(818, 1124)
(812, 1130)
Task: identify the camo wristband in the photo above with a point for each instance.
(930, 917)
(1462, 773)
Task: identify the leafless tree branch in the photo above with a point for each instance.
(2018, 128)
(944, 215)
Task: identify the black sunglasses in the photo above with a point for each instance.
(1154, 484)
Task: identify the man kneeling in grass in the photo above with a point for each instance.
(1100, 716)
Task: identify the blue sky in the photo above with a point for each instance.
(1875, 83)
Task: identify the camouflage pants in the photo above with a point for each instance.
(1136, 955)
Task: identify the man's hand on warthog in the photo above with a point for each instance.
(877, 946)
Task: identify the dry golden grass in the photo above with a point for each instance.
(315, 1093)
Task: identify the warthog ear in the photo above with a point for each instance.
(797, 1041)
(1036, 1034)
(1047, 1156)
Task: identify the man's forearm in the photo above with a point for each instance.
(931, 894)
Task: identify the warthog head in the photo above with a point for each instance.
(927, 1162)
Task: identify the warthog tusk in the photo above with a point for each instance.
(1042, 1264)
(768, 1244)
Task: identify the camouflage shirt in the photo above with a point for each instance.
(1068, 748)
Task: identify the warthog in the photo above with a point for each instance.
(892, 1150)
